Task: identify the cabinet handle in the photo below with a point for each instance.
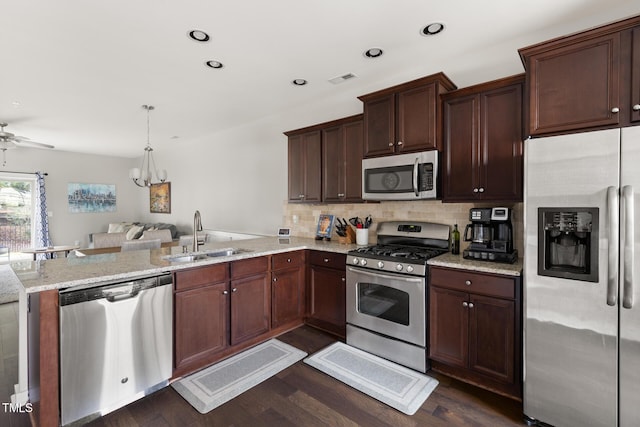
(475, 190)
(467, 282)
(300, 196)
(326, 260)
(225, 292)
(343, 279)
(288, 259)
(481, 189)
(340, 194)
(470, 305)
(275, 279)
(465, 304)
(400, 143)
(636, 107)
(391, 144)
(234, 290)
(615, 110)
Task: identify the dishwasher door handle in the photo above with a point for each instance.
(120, 296)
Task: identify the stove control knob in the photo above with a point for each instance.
(363, 262)
(355, 260)
(380, 264)
(410, 268)
(399, 267)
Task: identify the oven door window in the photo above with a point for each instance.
(383, 302)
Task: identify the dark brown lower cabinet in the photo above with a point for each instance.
(475, 328)
(287, 288)
(201, 314)
(327, 292)
(250, 307)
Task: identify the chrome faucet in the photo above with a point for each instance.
(197, 226)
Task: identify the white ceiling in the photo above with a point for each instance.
(74, 73)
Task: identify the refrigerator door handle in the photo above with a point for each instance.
(612, 266)
(627, 283)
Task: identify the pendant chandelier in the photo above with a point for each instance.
(143, 176)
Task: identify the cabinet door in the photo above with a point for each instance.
(379, 126)
(461, 148)
(327, 300)
(635, 74)
(500, 171)
(353, 139)
(333, 164)
(287, 296)
(201, 323)
(250, 307)
(448, 326)
(417, 119)
(304, 167)
(575, 87)
(491, 337)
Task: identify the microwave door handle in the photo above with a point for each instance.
(415, 176)
(612, 265)
(627, 282)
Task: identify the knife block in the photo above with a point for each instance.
(349, 238)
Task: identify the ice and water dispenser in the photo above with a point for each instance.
(568, 243)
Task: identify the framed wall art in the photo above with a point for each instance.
(93, 198)
(160, 198)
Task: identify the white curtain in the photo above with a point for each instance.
(41, 219)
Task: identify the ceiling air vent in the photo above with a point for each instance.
(342, 78)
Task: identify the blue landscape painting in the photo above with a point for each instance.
(91, 197)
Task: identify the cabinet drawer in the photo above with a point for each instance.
(249, 266)
(328, 259)
(472, 282)
(287, 259)
(200, 276)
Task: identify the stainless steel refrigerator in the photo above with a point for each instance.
(581, 279)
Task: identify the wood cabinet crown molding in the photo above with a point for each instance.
(329, 124)
(440, 77)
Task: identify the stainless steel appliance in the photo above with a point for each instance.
(491, 235)
(387, 291)
(115, 345)
(582, 320)
(409, 176)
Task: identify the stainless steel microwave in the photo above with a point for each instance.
(410, 176)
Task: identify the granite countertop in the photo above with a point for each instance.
(456, 261)
(60, 273)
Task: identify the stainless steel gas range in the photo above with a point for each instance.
(387, 308)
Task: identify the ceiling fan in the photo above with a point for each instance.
(9, 141)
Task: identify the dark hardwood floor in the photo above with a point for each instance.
(303, 396)
(297, 396)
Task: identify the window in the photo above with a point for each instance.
(17, 204)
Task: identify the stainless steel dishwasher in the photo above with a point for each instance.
(115, 345)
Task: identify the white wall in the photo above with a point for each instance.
(64, 168)
(237, 179)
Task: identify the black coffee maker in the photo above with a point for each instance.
(491, 235)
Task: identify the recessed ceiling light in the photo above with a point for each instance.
(199, 35)
(299, 82)
(374, 52)
(432, 29)
(214, 64)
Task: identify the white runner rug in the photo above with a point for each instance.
(207, 389)
(399, 387)
(9, 285)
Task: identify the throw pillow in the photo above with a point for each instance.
(134, 232)
(120, 227)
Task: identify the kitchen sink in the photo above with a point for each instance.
(199, 256)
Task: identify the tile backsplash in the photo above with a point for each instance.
(302, 218)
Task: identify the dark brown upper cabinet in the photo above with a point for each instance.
(325, 162)
(584, 81)
(305, 167)
(483, 142)
(406, 117)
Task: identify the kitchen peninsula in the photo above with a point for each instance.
(42, 280)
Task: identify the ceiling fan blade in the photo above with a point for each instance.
(26, 141)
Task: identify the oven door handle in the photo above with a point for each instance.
(415, 176)
(378, 275)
